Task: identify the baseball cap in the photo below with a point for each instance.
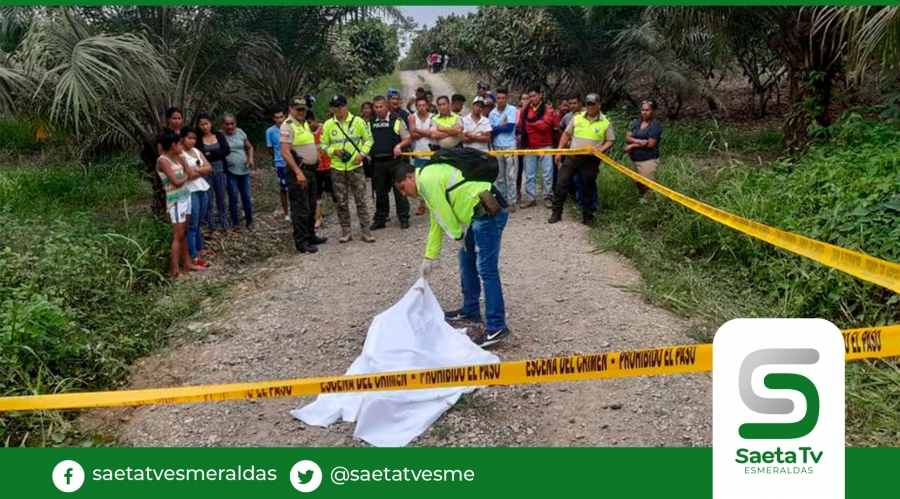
(338, 100)
(392, 92)
(592, 99)
(478, 100)
(298, 103)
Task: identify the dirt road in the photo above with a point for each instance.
(301, 315)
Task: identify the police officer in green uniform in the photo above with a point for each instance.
(389, 137)
(298, 148)
(588, 128)
(346, 139)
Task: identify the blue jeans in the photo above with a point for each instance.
(532, 162)
(479, 265)
(506, 178)
(199, 207)
(239, 184)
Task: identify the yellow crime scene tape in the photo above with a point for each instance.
(868, 343)
(518, 152)
(869, 268)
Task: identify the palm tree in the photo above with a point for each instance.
(873, 33)
(811, 66)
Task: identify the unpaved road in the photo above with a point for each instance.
(306, 315)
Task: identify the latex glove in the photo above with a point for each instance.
(425, 268)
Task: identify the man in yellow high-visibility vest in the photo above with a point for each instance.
(346, 139)
(589, 128)
(298, 148)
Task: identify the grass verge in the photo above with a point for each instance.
(843, 191)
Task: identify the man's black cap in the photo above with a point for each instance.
(338, 101)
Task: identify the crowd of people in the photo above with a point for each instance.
(339, 155)
(437, 62)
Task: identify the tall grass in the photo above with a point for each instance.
(81, 277)
(845, 191)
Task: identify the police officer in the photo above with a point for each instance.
(346, 139)
(389, 137)
(588, 128)
(298, 148)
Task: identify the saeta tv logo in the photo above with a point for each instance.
(779, 381)
(778, 409)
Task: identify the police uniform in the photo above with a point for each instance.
(387, 133)
(302, 198)
(343, 142)
(585, 131)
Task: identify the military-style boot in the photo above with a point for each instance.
(345, 235)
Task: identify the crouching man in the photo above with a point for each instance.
(455, 203)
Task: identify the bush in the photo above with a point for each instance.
(81, 277)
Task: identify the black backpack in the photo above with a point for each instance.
(476, 165)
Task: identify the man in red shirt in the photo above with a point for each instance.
(536, 124)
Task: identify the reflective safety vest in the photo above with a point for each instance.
(590, 130)
(352, 136)
(302, 134)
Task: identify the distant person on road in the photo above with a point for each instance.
(438, 58)
(347, 141)
(446, 126)
(503, 131)
(469, 204)
(240, 162)
(174, 176)
(457, 101)
(389, 137)
(642, 145)
(537, 122)
(476, 128)
(215, 148)
(446, 62)
(273, 144)
(587, 129)
(199, 189)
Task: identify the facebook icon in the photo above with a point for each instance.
(68, 476)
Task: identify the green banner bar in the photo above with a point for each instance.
(367, 472)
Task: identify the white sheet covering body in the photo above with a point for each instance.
(410, 335)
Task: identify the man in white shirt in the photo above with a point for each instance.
(476, 128)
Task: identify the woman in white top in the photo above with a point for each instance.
(420, 130)
(199, 188)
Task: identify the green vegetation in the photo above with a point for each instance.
(378, 87)
(82, 286)
(844, 191)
